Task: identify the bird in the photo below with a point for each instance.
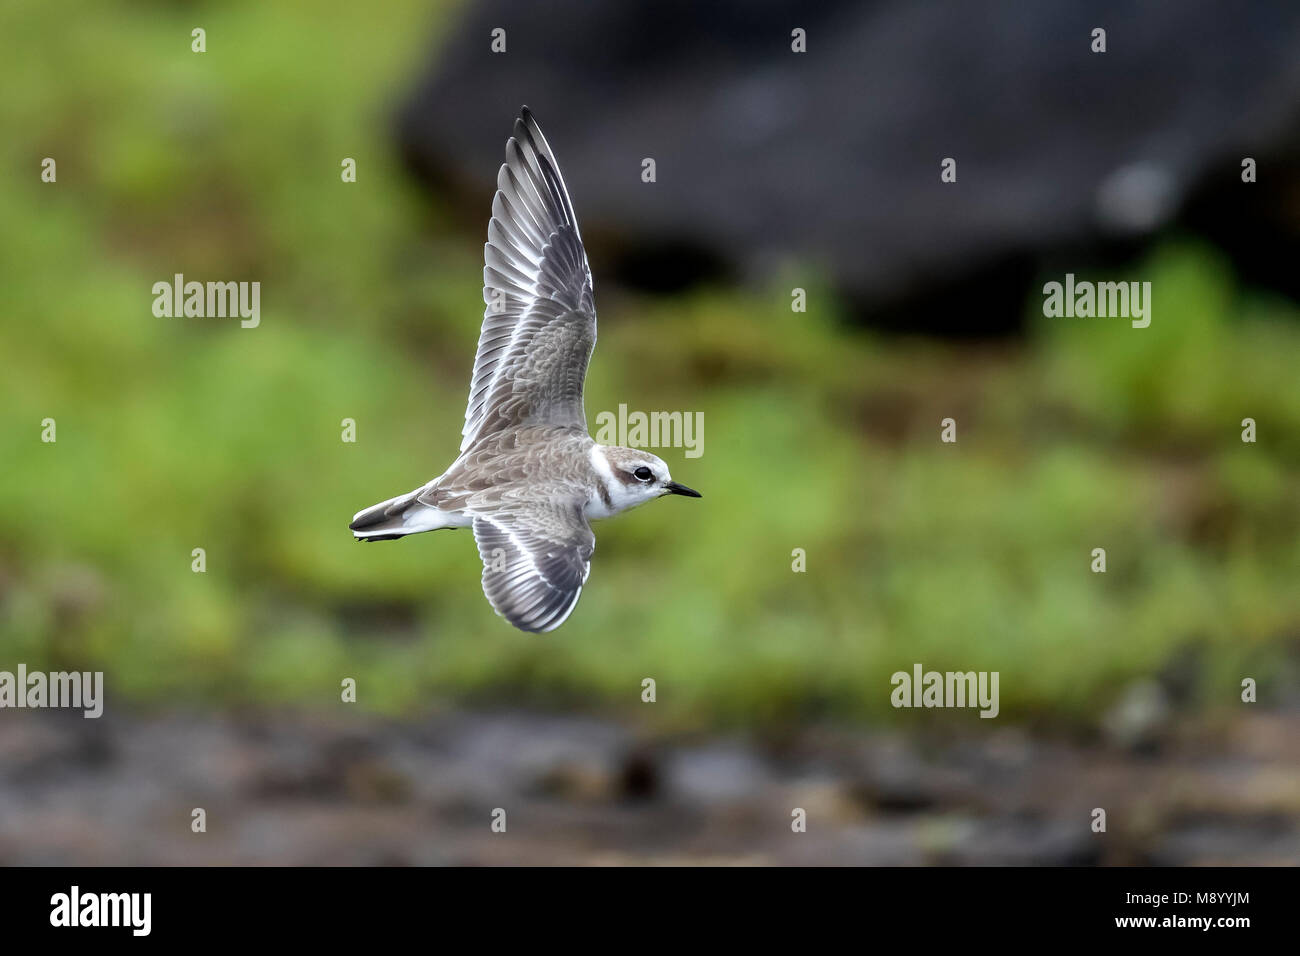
(529, 478)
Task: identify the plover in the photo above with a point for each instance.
(529, 477)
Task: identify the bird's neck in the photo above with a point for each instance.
(609, 494)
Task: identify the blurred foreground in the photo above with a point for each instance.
(580, 791)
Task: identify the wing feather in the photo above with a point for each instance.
(535, 561)
(539, 327)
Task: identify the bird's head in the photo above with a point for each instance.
(633, 476)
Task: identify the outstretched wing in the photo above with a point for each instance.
(540, 323)
(535, 561)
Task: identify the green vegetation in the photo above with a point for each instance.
(182, 433)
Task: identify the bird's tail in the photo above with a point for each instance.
(396, 518)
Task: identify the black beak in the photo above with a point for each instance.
(676, 489)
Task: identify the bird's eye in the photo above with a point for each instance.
(643, 473)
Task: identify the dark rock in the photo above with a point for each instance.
(831, 158)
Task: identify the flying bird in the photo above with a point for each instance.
(529, 478)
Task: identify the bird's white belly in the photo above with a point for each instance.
(425, 518)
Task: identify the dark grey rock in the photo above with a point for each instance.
(830, 159)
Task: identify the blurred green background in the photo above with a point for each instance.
(175, 434)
